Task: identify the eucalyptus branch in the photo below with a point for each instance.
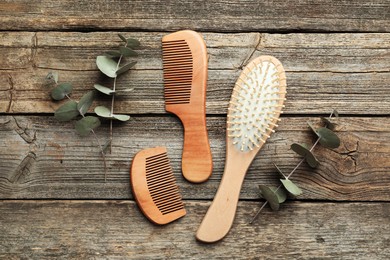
(277, 196)
(112, 68)
(72, 109)
(288, 176)
(113, 99)
(98, 142)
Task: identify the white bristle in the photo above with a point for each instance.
(256, 103)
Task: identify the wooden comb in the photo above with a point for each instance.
(185, 80)
(253, 112)
(154, 186)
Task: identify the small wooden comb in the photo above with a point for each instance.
(154, 186)
(185, 80)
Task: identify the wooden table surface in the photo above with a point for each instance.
(54, 201)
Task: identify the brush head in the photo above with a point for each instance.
(154, 186)
(256, 103)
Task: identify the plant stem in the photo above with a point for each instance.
(288, 176)
(100, 146)
(113, 100)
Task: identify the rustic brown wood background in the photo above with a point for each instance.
(54, 201)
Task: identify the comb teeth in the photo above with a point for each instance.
(162, 184)
(256, 103)
(178, 68)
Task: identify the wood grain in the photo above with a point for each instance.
(116, 229)
(40, 158)
(349, 72)
(275, 15)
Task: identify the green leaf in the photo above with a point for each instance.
(106, 113)
(270, 196)
(328, 124)
(60, 92)
(51, 79)
(328, 138)
(126, 90)
(52, 76)
(280, 193)
(335, 113)
(126, 67)
(112, 54)
(103, 89)
(291, 187)
(312, 128)
(127, 52)
(306, 153)
(122, 118)
(132, 43)
(122, 37)
(103, 111)
(85, 125)
(67, 111)
(86, 102)
(107, 66)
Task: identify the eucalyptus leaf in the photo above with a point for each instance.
(306, 153)
(127, 52)
(280, 193)
(85, 125)
(328, 138)
(126, 67)
(52, 76)
(67, 111)
(103, 111)
(335, 113)
(51, 79)
(122, 118)
(60, 91)
(127, 90)
(328, 124)
(112, 54)
(107, 66)
(86, 102)
(291, 187)
(312, 128)
(270, 196)
(103, 89)
(122, 37)
(132, 43)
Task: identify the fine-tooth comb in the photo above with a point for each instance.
(154, 186)
(253, 112)
(185, 80)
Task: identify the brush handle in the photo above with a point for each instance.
(219, 217)
(197, 164)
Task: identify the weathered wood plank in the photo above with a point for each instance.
(40, 158)
(275, 15)
(116, 229)
(349, 72)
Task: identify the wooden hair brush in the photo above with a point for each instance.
(185, 80)
(154, 186)
(253, 112)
